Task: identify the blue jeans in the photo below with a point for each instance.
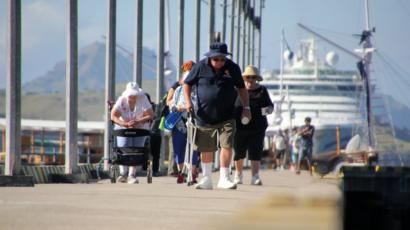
(305, 150)
(295, 155)
(179, 140)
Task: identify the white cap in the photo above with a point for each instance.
(132, 89)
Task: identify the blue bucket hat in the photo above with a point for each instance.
(217, 49)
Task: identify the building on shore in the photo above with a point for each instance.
(43, 141)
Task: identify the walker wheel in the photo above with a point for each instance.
(112, 174)
(149, 172)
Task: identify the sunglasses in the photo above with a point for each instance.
(219, 59)
(251, 77)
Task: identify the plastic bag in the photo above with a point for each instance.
(161, 125)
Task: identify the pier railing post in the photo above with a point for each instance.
(180, 37)
(109, 76)
(223, 34)
(232, 32)
(211, 21)
(138, 42)
(244, 36)
(197, 29)
(13, 89)
(261, 2)
(160, 51)
(238, 32)
(71, 146)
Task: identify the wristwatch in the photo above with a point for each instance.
(247, 107)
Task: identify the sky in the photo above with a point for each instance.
(44, 42)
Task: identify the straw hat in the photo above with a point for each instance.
(132, 89)
(252, 71)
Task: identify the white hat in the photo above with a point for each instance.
(132, 89)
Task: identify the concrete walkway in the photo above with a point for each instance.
(285, 201)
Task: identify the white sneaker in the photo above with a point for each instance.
(225, 183)
(132, 180)
(121, 179)
(205, 183)
(238, 178)
(256, 180)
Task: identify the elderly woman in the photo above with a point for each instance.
(131, 110)
(250, 135)
(176, 102)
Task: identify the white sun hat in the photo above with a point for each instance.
(132, 89)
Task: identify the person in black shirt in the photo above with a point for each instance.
(249, 137)
(306, 144)
(217, 81)
(155, 137)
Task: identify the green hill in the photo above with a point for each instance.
(51, 106)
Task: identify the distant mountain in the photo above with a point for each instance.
(91, 70)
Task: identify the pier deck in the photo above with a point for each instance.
(285, 201)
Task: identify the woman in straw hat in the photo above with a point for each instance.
(250, 135)
(131, 110)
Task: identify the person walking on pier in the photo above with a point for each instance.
(131, 110)
(279, 148)
(249, 137)
(155, 137)
(218, 81)
(294, 148)
(176, 103)
(306, 144)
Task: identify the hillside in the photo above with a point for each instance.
(52, 105)
(91, 70)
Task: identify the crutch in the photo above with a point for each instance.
(189, 150)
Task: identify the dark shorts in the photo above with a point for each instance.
(249, 142)
(280, 153)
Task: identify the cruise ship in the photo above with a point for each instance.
(307, 86)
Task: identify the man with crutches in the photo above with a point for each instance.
(218, 81)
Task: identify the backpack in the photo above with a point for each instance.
(162, 107)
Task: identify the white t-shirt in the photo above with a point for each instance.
(279, 142)
(295, 142)
(141, 106)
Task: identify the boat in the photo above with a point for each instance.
(308, 86)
